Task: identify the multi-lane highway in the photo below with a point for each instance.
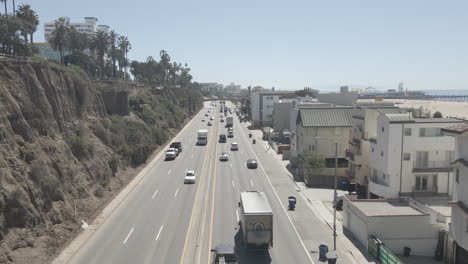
(164, 220)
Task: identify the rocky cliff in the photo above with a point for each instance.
(66, 146)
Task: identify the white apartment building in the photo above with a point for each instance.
(459, 225)
(261, 104)
(316, 131)
(89, 26)
(410, 156)
(364, 117)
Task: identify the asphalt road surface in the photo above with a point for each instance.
(164, 220)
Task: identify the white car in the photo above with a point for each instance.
(224, 157)
(190, 177)
(171, 153)
(234, 146)
(212, 118)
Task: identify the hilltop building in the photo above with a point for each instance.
(89, 26)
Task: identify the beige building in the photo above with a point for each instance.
(344, 97)
(364, 116)
(315, 130)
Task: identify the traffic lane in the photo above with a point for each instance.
(287, 243)
(105, 236)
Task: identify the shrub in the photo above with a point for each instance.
(114, 164)
(102, 133)
(49, 184)
(80, 148)
(437, 114)
(140, 154)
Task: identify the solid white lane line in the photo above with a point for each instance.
(251, 182)
(237, 215)
(232, 184)
(160, 229)
(230, 165)
(128, 236)
(169, 172)
(154, 195)
(176, 192)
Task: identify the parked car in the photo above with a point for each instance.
(190, 177)
(224, 157)
(252, 163)
(234, 146)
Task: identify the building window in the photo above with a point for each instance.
(313, 147)
(310, 148)
(330, 163)
(408, 131)
(383, 129)
(372, 149)
(430, 132)
(407, 156)
(381, 153)
(383, 175)
(457, 175)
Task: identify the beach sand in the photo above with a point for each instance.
(447, 108)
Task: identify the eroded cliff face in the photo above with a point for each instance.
(62, 155)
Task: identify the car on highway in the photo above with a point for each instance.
(209, 123)
(203, 120)
(206, 114)
(177, 146)
(224, 156)
(234, 146)
(222, 120)
(224, 253)
(190, 177)
(171, 153)
(252, 163)
(211, 118)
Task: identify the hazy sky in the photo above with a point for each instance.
(292, 44)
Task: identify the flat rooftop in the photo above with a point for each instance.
(438, 204)
(381, 207)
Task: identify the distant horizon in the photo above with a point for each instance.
(289, 46)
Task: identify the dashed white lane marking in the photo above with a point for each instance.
(154, 194)
(176, 192)
(159, 233)
(128, 236)
(251, 182)
(230, 165)
(169, 172)
(237, 215)
(232, 184)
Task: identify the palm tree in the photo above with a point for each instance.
(30, 21)
(124, 46)
(113, 49)
(100, 43)
(14, 6)
(58, 39)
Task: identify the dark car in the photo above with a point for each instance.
(224, 253)
(222, 138)
(177, 145)
(252, 163)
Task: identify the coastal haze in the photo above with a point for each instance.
(215, 132)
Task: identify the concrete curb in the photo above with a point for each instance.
(80, 240)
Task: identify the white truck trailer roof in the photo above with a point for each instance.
(255, 203)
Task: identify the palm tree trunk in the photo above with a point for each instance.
(14, 11)
(6, 10)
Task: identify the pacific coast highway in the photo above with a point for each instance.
(163, 220)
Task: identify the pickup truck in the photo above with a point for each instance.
(171, 153)
(177, 145)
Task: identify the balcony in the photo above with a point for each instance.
(381, 188)
(432, 166)
(373, 140)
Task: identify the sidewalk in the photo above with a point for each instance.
(320, 203)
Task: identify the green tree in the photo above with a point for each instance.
(437, 114)
(30, 21)
(100, 43)
(310, 163)
(113, 49)
(165, 63)
(124, 48)
(58, 41)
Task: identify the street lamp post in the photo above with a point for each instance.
(335, 195)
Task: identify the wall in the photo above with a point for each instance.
(281, 115)
(255, 106)
(459, 217)
(355, 222)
